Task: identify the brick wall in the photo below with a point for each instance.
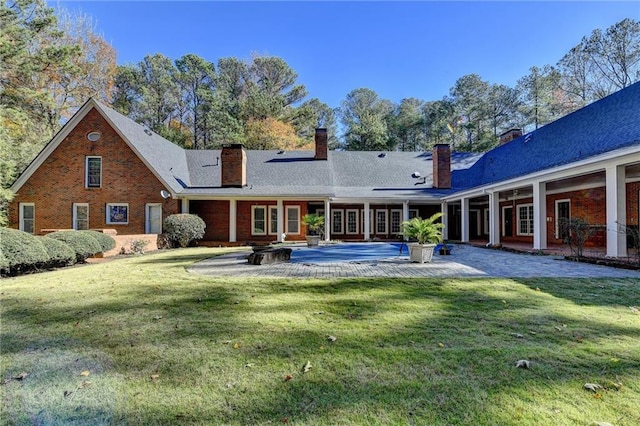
(441, 166)
(60, 181)
(215, 214)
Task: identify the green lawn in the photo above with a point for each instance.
(141, 341)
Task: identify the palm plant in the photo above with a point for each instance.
(313, 222)
(424, 230)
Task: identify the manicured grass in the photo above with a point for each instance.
(162, 346)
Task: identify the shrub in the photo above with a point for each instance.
(576, 231)
(82, 243)
(60, 253)
(137, 246)
(22, 252)
(106, 242)
(184, 229)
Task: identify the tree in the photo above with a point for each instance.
(502, 105)
(196, 79)
(470, 96)
(441, 123)
(364, 116)
(270, 133)
(616, 52)
(314, 114)
(537, 92)
(406, 125)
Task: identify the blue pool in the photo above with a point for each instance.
(348, 252)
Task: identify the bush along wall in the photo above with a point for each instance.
(22, 252)
(106, 242)
(60, 253)
(183, 229)
(83, 243)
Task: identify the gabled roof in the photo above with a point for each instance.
(165, 159)
(606, 125)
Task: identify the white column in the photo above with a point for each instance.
(185, 205)
(233, 218)
(494, 218)
(445, 220)
(367, 224)
(464, 222)
(616, 211)
(280, 220)
(327, 220)
(405, 210)
(539, 215)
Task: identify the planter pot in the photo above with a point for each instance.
(421, 253)
(313, 240)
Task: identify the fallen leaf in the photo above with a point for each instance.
(600, 424)
(154, 376)
(616, 386)
(288, 377)
(157, 317)
(593, 387)
(558, 328)
(85, 373)
(634, 309)
(523, 363)
(21, 376)
(441, 344)
(579, 338)
(307, 367)
(537, 288)
(331, 338)
(226, 342)
(236, 345)
(249, 365)
(67, 393)
(598, 395)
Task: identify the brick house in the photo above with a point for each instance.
(104, 171)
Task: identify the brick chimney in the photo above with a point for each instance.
(322, 147)
(234, 166)
(510, 135)
(441, 166)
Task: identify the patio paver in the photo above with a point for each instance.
(465, 261)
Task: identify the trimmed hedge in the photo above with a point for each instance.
(22, 252)
(106, 242)
(83, 243)
(60, 253)
(184, 229)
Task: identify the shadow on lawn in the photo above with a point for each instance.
(423, 351)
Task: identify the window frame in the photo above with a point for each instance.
(391, 227)
(384, 222)
(75, 215)
(265, 219)
(339, 231)
(287, 209)
(87, 179)
(21, 218)
(108, 207)
(528, 219)
(272, 215)
(357, 221)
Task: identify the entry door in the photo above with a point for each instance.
(563, 210)
(154, 219)
(507, 217)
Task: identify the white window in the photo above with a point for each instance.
(525, 219)
(28, 217)
(413, 213)
(258, 220)
(381, 222)
(117, 213)
(337, 223)
(352, 221)
(293, 220)
(80, 216)
(273, 220)
(396, 221)
(93, 172)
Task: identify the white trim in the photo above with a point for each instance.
(74, 223)
(253, 220)
(147, 220)
(86, 171)
(21, 207)
(287, 219)
(108, 219)
(233, 221)
(386, 222)
(272, 218)
(333, 221)
(346, 221)
(557, 216)
(530, 219)
(485, 221)
(399, 230)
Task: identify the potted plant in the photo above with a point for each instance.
(314, 223)
(427, 232)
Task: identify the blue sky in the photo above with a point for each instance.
(398, 49)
